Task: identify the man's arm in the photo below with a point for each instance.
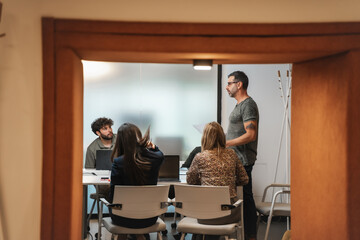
(249, 136)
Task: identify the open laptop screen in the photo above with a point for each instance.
(169, 170)
(103, 159)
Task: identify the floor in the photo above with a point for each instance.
(277, 229)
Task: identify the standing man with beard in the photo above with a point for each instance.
(242, 136)
(106, 140)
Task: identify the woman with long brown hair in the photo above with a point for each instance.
(136, 161)
(216, 165)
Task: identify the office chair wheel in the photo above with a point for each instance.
(164, 232)
(173, 225)
(96, 235)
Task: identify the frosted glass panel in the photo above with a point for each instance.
(171, 98)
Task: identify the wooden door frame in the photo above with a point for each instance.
(66, 42)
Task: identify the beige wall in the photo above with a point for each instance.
(21, 76)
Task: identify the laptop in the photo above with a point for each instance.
(170, 169)
(103, 159)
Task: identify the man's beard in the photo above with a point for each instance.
(107, 137)
(231, 94)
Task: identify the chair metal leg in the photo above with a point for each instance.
(287, 223)
(100, 208)
(240, 234)
(242, 222)
(268, 226)
(91, 211)
(182, 236)
(173, 225)
(99, 221)
(271, 212)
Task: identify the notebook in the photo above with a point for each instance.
(103, 159)
(170, 169)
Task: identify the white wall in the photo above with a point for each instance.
(264, 89)
(21, 75)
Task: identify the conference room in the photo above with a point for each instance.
(138, 93)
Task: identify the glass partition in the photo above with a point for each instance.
(173, 99)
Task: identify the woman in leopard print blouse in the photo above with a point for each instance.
(217, 166)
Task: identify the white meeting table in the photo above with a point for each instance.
(102, 177)
(96, 177)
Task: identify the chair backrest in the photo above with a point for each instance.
(239, 192)
(202, 202)
(141, 201)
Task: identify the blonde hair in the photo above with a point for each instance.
(213, 137)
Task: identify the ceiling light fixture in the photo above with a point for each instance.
(202, 64)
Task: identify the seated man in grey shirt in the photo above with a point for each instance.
(106, 140)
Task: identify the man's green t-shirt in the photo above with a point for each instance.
(244, 111)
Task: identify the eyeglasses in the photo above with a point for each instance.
(229, 83)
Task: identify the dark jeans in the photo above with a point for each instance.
(250, 216)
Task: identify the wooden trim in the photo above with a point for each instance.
(69, 146)
(353, 131)
(207, 29)
(49, 124)
(314, 108)
(222, 49)
(205, 44)
(325, 102)
(148, 42)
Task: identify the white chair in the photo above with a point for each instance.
(273, 208)
(206, 202)
(137, 202)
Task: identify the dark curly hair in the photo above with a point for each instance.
(99, 123)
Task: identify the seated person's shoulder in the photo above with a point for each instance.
(91, 153)
(119, 160)
(230, 150)
(231, 153)
(191, 156)
(94, 144)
